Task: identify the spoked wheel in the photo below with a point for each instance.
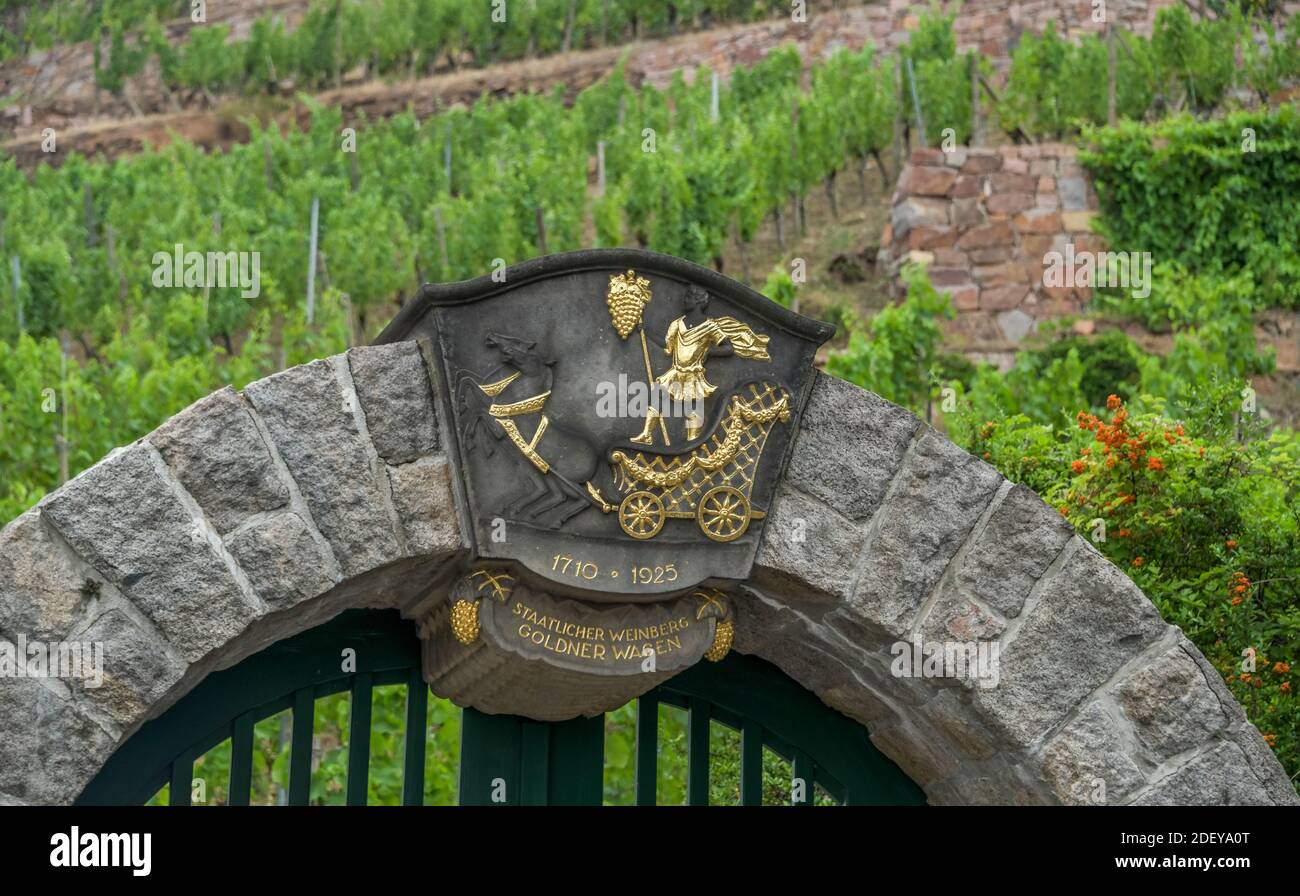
(641, 515)
(723, 513)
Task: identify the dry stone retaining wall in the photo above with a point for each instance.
(982, 220)
(252, 516)
(57, 87)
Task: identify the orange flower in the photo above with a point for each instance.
(1271, 740)
(1065, 509)
(1123, 533)
(1155, 463)
(1236, 601)
(1285, 687)
(1137, 561)
(1231, 542)
(1113, 402)
(1281, 668)
(1078, 466)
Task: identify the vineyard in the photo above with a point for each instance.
(101, 341)
(444, 199)
(391, 38)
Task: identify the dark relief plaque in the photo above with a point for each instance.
(569, 463)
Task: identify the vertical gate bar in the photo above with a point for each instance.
(807, 772)
(535, 763)
(417, 721)
(576, 770)
(304, 708)
(751, 764)
(182, 780)
(490, 759)
(241, 760)
(697, 754)
(647, 749)
(359, 740)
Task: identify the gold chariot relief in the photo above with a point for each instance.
(712, 478)
(711, 481)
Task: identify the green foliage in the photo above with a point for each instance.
(679, 189)
(1202, 201)
(942, 78)
(1202, 510)
(391, 37)
(1058, 86)
(26, 26)
(780, 287)
(1192, 56)
(895, 355)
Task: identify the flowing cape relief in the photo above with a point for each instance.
(747, 343)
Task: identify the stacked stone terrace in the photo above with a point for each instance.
(56, 88)
(982, 220)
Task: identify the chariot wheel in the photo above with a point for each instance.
(723, 513)
(641, 514)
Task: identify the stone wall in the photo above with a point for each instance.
(250, 517)
(57, 85)
(981, 220)
(57, 89)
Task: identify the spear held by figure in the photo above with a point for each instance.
(627, 297)
(690, 341)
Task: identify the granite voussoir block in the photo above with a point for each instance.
(1021, 539)
(283, 562)
(422, 494)
(1089, 621)
(393, 387)
(940, 493)
(314, 429)
(1221, 776)
(42, 594)
(809, 545)
(216, 451)
(850, 444)
(1087, 763)
(36, 764)
(1170, 704)
(138, 670)
(126, 521)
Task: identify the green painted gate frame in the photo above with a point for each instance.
(538, 763)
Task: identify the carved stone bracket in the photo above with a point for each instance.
(501, 646)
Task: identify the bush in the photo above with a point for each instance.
(1202, 512)
(895, 354)
(1207, 198)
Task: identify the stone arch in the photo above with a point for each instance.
(252, 516)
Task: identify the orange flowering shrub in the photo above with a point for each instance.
(1203, 513)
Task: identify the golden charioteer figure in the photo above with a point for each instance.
(690, 341)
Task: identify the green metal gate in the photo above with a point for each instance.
(503, 759)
